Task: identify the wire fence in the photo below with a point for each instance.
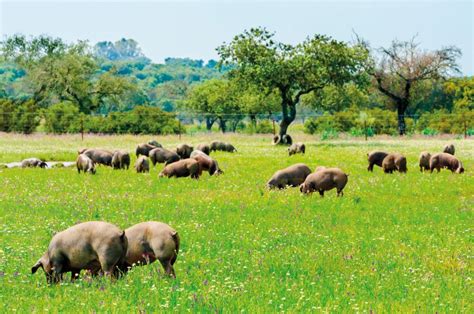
(366, 123)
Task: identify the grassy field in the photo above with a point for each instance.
(401, 242)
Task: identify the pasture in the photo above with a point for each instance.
(400, 242)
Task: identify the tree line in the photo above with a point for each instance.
(255, 77)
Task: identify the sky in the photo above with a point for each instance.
(195, 28)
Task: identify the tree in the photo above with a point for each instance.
(404, 66)
(216, 100)
(57, 71)
(292, 70)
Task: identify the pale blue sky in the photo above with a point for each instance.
(195, 28)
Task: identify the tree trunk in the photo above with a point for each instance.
(209, 123)
(401, 108)
(288, 110)
(253, 120)
(222, 124)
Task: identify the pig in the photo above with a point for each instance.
(291, 176)
(225, 147)
(121, 160)
(142, 165)
(182, 168)
(85, 164)
(445, 160)
(150, 241)
(163, 155)
(90, 245)
(375, 158)
(205, 148)
(184, 150)
(424, 161)
(297, 148)
(325, 179)
(144, 149)
(33, 163)
(154, 143)
(99, 156)
(206, 163)
(394, 162)
(449, 149)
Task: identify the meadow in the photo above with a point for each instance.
(400, 242)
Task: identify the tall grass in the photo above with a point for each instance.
(400, 242)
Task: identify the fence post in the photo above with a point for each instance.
(82, 128)
(179, 129)
(465, 129)
(365, 129)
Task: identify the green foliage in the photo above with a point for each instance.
(294, 71)
(25, 117)
(6, 115)
(141, 120)
(441, 121)
(62, 118)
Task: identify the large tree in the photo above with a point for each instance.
(56, 72)
(403, 67)
(293, 70)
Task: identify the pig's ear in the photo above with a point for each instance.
(40, 263)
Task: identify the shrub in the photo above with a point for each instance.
(6, 115)
(264, 127)
(25, 117)
(62, 118)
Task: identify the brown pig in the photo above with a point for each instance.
(206, 163)
(182, 168)
(394, 162)
(325, 179)
(449, 149)
(85, 164)
(142, 165)
(150, 241)
(424, 161)
(291, 176)
(375, 158)
(93, 245)
(445, 160)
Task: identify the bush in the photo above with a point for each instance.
(62, 118)
(441, 121)
(25, 117)
(141, 120)
(6, 115)
(264, 127)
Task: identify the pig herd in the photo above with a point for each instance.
(182, 161)
(103, 248)
(325, 179)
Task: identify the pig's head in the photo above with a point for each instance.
(44, 263)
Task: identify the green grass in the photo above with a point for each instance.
(392, 243)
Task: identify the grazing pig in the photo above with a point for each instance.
(449, 149)
(90, 245)
(99, 156)
(225, 147)
(182, 168)
(121, 160)
(162, 155)
(154, 143)
(394, 162)
(206, 149)
(150, 241)
(375, 158)
(144, 149)
(424, 161)
(82, 150)
(85, 164)
(206, 163)
(325, 179)
(33, 163)
(290, 176)
(297, 148)
(184, 150)
(142, 165)
(445, 160)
